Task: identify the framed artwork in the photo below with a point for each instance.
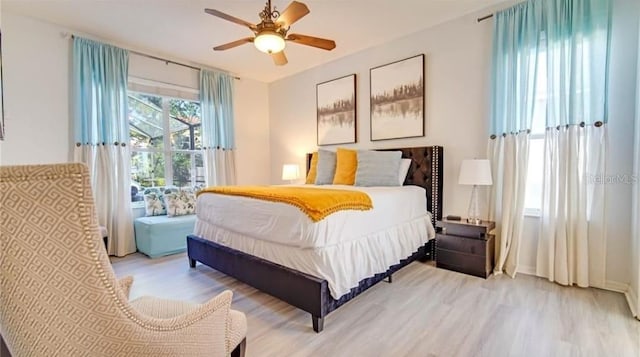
(336, 111)
(397, 99)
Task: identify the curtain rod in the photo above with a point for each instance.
(167, 61)
(480, 19)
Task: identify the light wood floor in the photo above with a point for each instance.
(424, 312)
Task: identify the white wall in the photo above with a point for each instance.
(634, 291)
(36, 65)
(622, 86)
(37, 72)
(457, 98)
(252, 132)
(457, 86)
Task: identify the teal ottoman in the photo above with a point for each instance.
(158, 236)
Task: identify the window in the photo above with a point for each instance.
(535, 171)
(535, 174)
(165, 142)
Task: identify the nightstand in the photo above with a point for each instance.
(465, 247)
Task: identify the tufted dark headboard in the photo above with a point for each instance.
(425, 171)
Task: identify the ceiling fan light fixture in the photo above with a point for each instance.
(269, 42)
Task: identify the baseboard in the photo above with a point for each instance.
(527, 270)
(632, 300)
(629, 294)
(608, 285)
(616, 286)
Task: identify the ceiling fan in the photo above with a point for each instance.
(271, 33)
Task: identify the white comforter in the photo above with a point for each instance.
(343, 248)
(285, 224)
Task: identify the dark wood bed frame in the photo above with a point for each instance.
(307, 292)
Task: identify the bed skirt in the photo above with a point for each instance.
(306, 292)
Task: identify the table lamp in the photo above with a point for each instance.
(290, 172)
(476, 173)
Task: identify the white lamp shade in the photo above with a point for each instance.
(290, 172)
(269, 42)
(475, 172)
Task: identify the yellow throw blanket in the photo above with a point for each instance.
(317, 203)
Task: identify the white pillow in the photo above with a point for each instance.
(404, 170)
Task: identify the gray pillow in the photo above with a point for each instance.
(326, 167)
(378, 168)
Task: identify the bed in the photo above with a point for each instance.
(274, 253)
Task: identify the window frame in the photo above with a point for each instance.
(167, 151)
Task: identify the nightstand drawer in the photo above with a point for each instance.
(464, 263)
(461, 244)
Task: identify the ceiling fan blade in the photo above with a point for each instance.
(294, 12)
(312, 41)
(233, 44)
(279, 58)
(224, 16)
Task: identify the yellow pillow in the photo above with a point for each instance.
(346, 165)
(313, 169)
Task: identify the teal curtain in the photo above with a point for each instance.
(101, 132)
(550, 60)
(516, 42)
(216, 102)
(572, 37)
(100, 92)
(577, 50)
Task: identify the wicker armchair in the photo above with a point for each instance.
(58, 292)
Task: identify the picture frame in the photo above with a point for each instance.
(336, 111)
(397, 102)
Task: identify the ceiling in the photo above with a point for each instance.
(180, 30)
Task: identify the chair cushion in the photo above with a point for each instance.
(161, 308)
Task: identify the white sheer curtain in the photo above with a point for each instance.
(516, 38)
(216, 101)
(509, 155)
(220, 167)
(572, 214)
(109, 167)
(570, 245)
(102, 135)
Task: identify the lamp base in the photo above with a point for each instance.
(474, 212)
(474, 220)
